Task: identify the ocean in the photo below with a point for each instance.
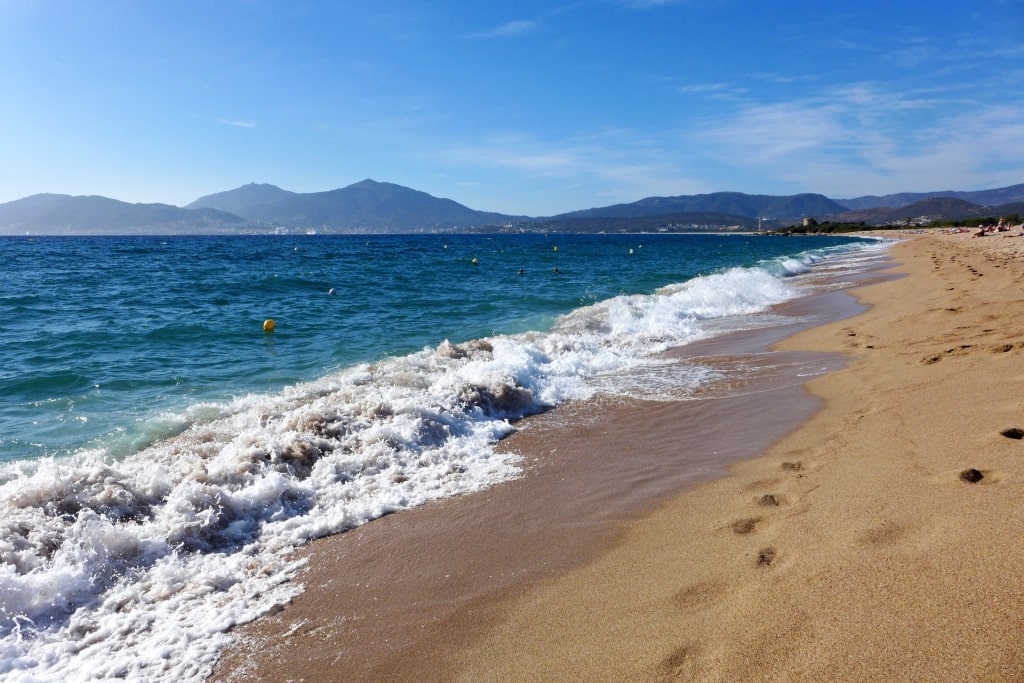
(161, 452)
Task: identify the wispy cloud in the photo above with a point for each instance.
(782, 79)
(515, 153)
(648, 4)
(616, 165)
(845, 140)
(769, 133)
(705, 88)
(865, 139)
(725, 91)
(507, 30)
(238, 123)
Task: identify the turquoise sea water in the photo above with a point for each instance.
(102, 336)
(161, 454)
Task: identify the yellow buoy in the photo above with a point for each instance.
(556, 247)
(268, 325)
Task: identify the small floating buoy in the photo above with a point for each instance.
(268, 325)
(556, 247)
(331, 290)
(630, 251)
(475, 261)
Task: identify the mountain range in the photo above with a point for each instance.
(61, 214)
(371, 206)
(997, 197)
(364, 206)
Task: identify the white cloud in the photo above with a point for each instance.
(777, 132)
(705, 88)
(857, 139)
(238, 123)
(514, 153)
(512, 28)
(610, 166)
(860, 139)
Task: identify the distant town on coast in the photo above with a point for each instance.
(378, 207)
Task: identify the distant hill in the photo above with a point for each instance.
(996, 197)
(61, 214)
(367, 206)
(924, 211)
(673, 222)
(927, 211)
(728, 203)
(376, 207)
(243, 199)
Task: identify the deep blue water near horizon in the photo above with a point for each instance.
(101, 335)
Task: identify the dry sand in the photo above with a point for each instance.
(852, 549)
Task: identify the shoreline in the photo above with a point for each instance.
(394, 599)
(859, 546)
(873, 540)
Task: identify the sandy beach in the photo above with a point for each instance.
(877, 541)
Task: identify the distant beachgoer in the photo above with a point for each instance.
(520, 272)
(554, 270)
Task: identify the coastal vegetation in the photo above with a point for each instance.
(812, 226)
(826, 227)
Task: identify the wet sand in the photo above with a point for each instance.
(852, 549)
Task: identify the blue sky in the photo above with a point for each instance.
(526, 108)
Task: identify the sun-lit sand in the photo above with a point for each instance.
(860, 547)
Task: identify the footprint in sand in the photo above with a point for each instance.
(745, 526)
(886, 533)
(766, 556)
(935, 358)
(698, 596)
(678, 664)
(1006, 348)
(760, 485)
